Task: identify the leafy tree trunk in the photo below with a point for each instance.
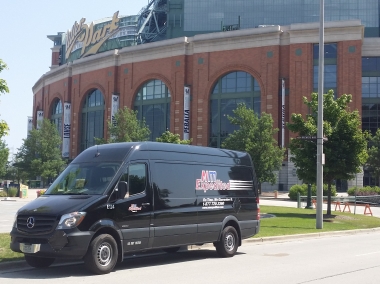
(329, 198)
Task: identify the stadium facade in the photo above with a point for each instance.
(186, 64)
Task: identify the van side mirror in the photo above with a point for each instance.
(121, 189)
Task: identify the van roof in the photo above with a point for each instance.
(118, 151)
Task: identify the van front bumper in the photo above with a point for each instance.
(58, 244)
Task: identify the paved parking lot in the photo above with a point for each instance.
(9, 207)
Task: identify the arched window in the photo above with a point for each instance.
(92, 119)
(230, 90)
(153, 103)
(56, 115)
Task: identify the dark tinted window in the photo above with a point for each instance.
(174, 180)
(178, 180)
(136, 178)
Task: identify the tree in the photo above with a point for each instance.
(4, 153)
(345, 150)
(373, 161)
(3, 89)
(14, 173)
(3, 84)
(256, 136)
(168, 137)
(40, 154)
(125, 128)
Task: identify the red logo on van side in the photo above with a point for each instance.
(209, 181)
(134, 208)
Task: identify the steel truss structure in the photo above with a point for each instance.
(152, 22)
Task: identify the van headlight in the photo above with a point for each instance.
(71, 220)
(15, 221)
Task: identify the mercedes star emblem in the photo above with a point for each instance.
(30, 222)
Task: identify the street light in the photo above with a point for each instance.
(320, 157)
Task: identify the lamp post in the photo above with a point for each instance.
(320, 157)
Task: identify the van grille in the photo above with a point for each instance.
(37, 224)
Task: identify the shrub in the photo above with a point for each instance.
(3, 193)
(364, 191)
(297, 188)
(302, 189)
(41, 191)
(12, 191)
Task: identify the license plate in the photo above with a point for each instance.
(30, 248)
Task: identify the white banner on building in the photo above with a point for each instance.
(283, 113)
(66, 130)
(30, 125)
(40, 118)
(186, 113)
(114, 108)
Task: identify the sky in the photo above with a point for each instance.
(25, 48)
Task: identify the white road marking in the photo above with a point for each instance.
(375, 252)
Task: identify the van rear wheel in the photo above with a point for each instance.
(38, 262)
(228, 243)
(101, 256)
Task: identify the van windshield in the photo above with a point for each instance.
(84, 178)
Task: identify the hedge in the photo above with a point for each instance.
(364, 191)
(302, 189)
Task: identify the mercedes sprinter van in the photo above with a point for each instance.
(122, 198)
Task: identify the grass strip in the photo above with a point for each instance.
(279, 221)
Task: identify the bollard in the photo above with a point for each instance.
(298, 200)
(308, 199)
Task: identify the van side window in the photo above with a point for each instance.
(136, 178)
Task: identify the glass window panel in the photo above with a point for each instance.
(92, 119)
(241, 90)
(216, 89)
(156, 113)
(365, 90)
(369, 64)
(373, 89)
(136, 178)
(256, 86)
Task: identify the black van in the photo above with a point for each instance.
(119, 198)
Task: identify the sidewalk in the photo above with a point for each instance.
(282, 199)
(32, 194)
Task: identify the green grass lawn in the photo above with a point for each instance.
(5, 252)
(290, 221)
(287, 221)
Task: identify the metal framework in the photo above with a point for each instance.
(152, 22)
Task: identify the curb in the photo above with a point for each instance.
(295, 237)
(21, 264)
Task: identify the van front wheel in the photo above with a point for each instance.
(228, 243)
(101, 256)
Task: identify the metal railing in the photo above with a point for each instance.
(358, 200)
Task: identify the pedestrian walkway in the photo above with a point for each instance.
(283, 200)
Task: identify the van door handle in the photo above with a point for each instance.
(145, 204)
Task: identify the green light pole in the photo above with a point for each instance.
(308, 200)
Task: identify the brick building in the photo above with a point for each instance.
(219, 70)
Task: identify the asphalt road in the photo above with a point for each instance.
(322, 260)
